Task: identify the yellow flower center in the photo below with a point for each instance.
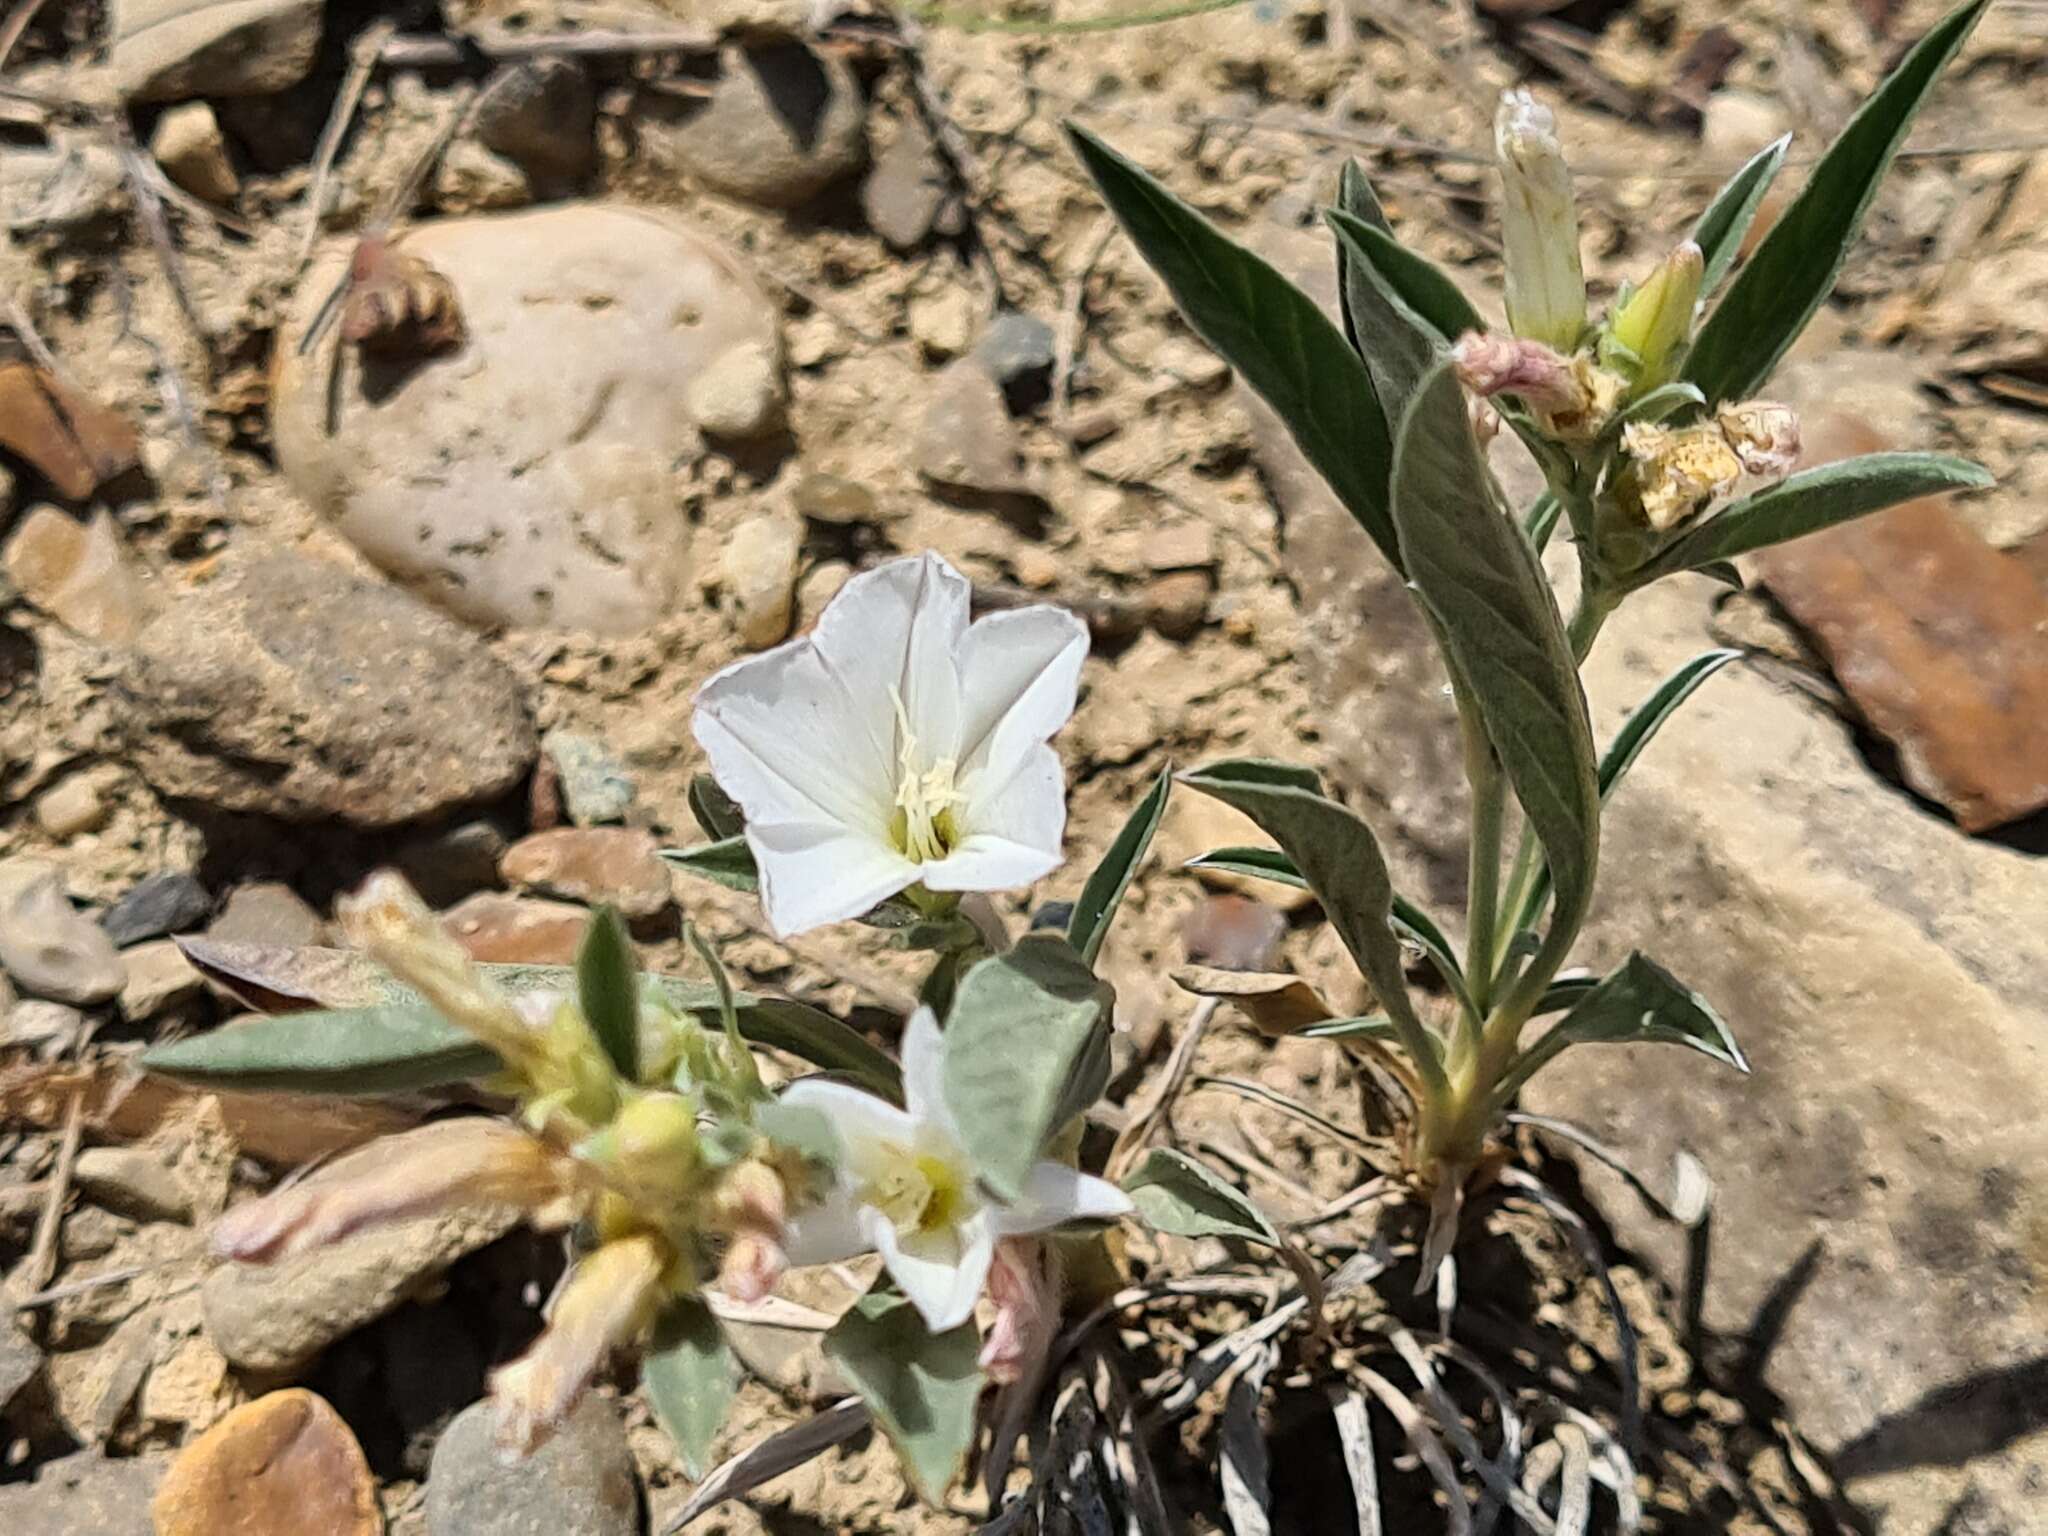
(925, 826)
(917, 1191)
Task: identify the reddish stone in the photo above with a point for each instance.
(1941, 641)
(498, 929)
(619, 865)
(281, 1465)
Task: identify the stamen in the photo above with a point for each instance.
(924, 828)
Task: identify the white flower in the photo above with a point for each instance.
(897, 743)
(905, 1188)
(1546, 287)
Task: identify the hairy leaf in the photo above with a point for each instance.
(1025, 1026)
(921, 1387)
(1177, 1195)
(385, 1048)
(1794, 268)
(690, 1376)
(1649, 716)
(1104, 891)
(716, 812)
(1721, 229)
(1427, 294)
(1397, 344)
(608, 990)
(1275, 336)
(1638, 1002)
(1478, 575)
(728, 862)
(1812, 500)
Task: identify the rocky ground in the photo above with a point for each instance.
(749, 296)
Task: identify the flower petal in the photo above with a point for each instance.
(924, 1061)
(863, 1121)
(826, 1232)
(942, 1270)
(1015, 830)
(816, 872)
(1018, 675)
(1055, 1193)
(897, 628)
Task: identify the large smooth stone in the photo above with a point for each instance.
(527, 479)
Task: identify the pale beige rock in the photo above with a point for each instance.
(165, 50)
(50, 948)
(943, 323)
(738, 395)
(1195, 824)
(187, 143)
(617, 865)
(758, 572)
(133, 1181)
(73, 805)
(526, 479)
(1735, 125)
(158, 975)
(80, 574)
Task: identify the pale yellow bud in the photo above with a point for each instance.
(1546, 286)
(1764, 435)
(1680, 470)
(649, 1149)
(1652, 327)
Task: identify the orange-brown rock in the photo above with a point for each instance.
(283, 1465)
(498, 929)
(619, 865)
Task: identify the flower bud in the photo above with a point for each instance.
(1489, 364)
(1764, 435)
(1546, 287)
(1651, 325)
(649, 1148)
(1023, 1286)
(1679, 471)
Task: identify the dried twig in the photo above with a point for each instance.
(770, 1458)
(416, 51)
(1244, 1460)
(1148, 1116)
(41, 1263)
(1427, 1446)
(362, 63)
(1354, 1433)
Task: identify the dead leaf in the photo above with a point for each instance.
(1276, 1004)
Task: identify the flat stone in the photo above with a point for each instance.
(526, 478)
(284, 1463)
(299, 691)
(595, 785)
(49, 1029)
(1941, 641)
(172, 902)
(579, 1483)
(758, 572)
(616, 865)
(187, 143)
(80, 574)
(277, 1318)
(267, 912)
(906, 188)
(47, 946)
(829, 498)
(158, 977)
(781, 125)
(166, 50)
(84, 1492)
(21, 1361)
(133, 1181)
(517, 930)
(966, 440)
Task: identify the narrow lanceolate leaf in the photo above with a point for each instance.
(1027, 1033)
(1649, 716)
(1357, 198)
(1721, 229)
(920, 1386)
(1341, 861)
(1275, 336)
(728, 862)
(1397, 344)
(1794, 268)
(1096, 906)
(690, 1376)
(1812, 500)
(1177, 1195)
(387, 1048)
(1429, 295)
(1637, 1003)
(1478, 575)
(608, 990)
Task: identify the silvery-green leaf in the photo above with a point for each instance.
(1276, 337)
(1177, 1195)
(1647, 410)
(1638, 1002)
(1397, 344)
(728, 862)
(1364, 1026)
(716, 812)
(1096, 906)
(1721, 228)
(1023, 1027)
(1793, 269)
(1812, 500)
(920, 1386)
(1478, 575)
(608, 990)
(690, 1376)
(1424, 291)
(1341, 860)
(1357, 198)
(384, 1048)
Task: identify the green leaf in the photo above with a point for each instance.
(728, 862)
(608, 990)
(690, 1376)
(1478, 575)
(1342, 862)
(1397, 344)
(1357, 198)
(1024, 1027)
(1275, 336)
(1177, 1195)
(1428, 295)
(1637, 1003)
(1793, 270)
(921, 1387)
(1812, 500)
(385, 1048)
(1104, 891)
(1649, 716)
(1720, 231)
(1262, 770)
(1257, 863)
(1365, 1026)
(1665, 400)
(716, 812)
